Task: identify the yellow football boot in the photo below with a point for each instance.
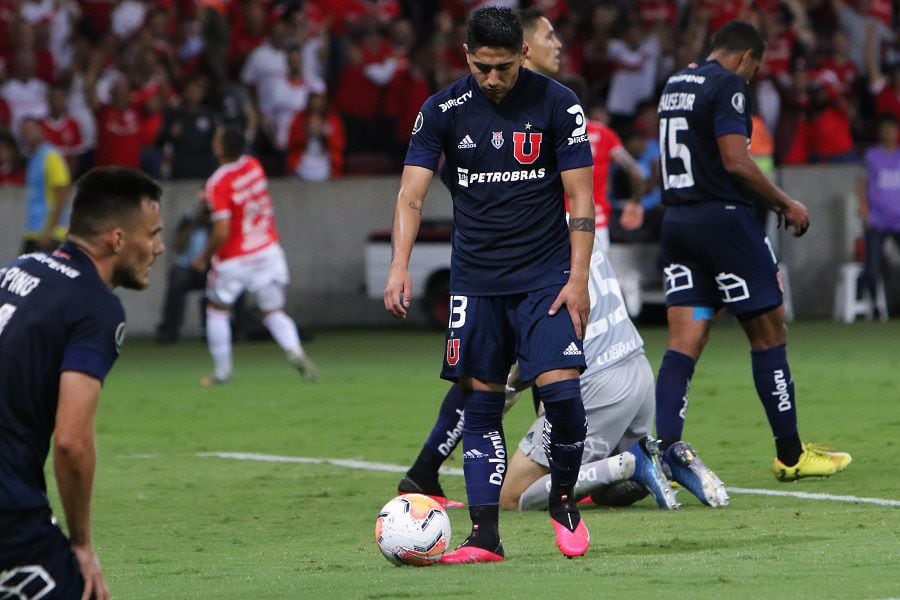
(816, 461)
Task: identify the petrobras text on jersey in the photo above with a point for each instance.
(465, 178)
(445, 106)
(676, 101)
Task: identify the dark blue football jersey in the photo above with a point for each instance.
(505, 159)
(697, 105)
(56, 315)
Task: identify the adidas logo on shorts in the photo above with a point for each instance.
(474, 454)
(572, 350)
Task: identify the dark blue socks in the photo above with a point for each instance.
(444, 437)
(564, 431)
(775, 387)
(672, 386)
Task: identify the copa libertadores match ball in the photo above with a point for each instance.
(413, 529)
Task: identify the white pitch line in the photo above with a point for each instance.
(373, 466)
(338, 462)
(816, 496)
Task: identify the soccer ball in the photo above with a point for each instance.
(412, 529)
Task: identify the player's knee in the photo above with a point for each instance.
(564, 410)
(483, 410)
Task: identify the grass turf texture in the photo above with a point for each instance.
(171, 524)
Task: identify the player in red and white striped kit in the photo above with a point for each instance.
(245, 255)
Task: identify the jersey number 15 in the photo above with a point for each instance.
(673, 151)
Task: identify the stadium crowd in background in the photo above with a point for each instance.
(323, 88)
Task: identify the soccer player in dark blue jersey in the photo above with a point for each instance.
(60, 332)
(719, 257)
(514, 141)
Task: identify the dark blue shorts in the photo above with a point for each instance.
(717, 255)
(487, 334)
(36, 560)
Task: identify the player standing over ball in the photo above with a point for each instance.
(717, 251)
(618, 465)
(248, 257)
(515, 141)
(61, 328)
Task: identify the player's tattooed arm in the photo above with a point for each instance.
(581, 224)
(416, 207)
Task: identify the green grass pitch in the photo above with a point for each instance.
(170, 522)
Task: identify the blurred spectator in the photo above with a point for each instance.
(32, 40)
(280, 97)
(80, 104)
(188, 132)
(248, 28)
(598, 65)
(792, 135)
(25, 94)
(61, 30)
(191, 235)
(879, 199)
(407, 92)
(635, 59)
(830, 138)
(450, 58)
(316, 142)
(118, 130)
(836, 65)
(236, 109)
(361, 86)
(268, 60)
(47, 184)
(12, 169)
(61, 129)
(884, 88)
(860, 28)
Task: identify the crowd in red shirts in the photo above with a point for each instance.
(322, 88)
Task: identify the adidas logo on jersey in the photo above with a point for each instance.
(466, 142)
(474, 454)
(572, 350)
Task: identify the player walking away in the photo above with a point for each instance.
(718, 255)
(619, 411)
(515, 141)
(248, 257)
(60, 332)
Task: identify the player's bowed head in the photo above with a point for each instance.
(495, 50)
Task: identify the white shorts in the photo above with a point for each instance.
(619, 402)
(264, 273)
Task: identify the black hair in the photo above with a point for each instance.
(530, 16)
(232, 142)
(494, 27)
(108, 196)
(739, 36)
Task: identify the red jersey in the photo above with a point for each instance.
(603, 141)
(118, 137)
(239, 191)
(63, 133)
